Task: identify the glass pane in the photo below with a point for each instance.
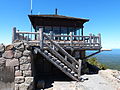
(47, 29)
(56, 30)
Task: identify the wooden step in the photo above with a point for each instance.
(59, 64)
(58, 61)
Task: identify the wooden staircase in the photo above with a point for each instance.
(55, 54)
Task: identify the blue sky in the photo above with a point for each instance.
(104, 16)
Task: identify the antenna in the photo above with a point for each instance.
(56, 11)
(31, 7)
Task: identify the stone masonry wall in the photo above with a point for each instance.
(19, 56)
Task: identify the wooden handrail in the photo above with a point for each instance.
(91, 40)
(61, 50)
(27, 32)
(61, 58)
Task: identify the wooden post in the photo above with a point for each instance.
(41, 37)
(82, 31)
(14, 37)
(99, 39)
(90, 40)
(79, 68)
(38, 36)
(66, 58)
(71, 38)
(94, 41)
(51, 35)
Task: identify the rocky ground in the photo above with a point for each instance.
(104, 80)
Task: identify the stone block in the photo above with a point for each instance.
(29, 80)
(2, 63)
(23, 86)
(19, 79)
(0, 55)
(27, 53)
(18, 73)
(9, 47)
(8, 54)
(27, 73)
(25, 67)
(12, 62)
(17, 54)
(16, 86)
(25, 60)
(19, 46)
(2, 48)
(17, 68)
(27, 46)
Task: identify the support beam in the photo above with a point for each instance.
(41, 37)
(71, 38)
(92, 54)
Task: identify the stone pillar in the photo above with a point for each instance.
(18, 55)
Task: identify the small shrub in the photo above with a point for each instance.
(93, 61)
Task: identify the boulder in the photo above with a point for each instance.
(9, 47)
(17, 54)
(19, 46)
(8, 54)
(2, 48)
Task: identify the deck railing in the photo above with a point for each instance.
(67, 41)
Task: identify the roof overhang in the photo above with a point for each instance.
(56, 20)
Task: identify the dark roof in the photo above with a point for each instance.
(56, 20)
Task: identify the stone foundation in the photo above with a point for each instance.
(19, 56)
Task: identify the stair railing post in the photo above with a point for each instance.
(79, 69)
(52, 38)
(41, 37)
(90, 39)
(14, 37)
(99, 39)
(71, 38)
(51, 35)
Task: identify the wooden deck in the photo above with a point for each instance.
(90, 42)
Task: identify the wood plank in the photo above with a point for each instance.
(27, 32)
